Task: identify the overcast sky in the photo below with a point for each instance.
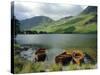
(24, 10)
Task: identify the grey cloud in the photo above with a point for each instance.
(21, 8)
(21, 11)
(54, 11)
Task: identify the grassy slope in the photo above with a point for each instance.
(77, 24)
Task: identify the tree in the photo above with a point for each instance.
(42, 32)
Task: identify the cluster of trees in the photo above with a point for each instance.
(32, 32)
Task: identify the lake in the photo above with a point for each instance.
(58, 40)
(56, 43)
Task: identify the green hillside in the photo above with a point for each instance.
(83, 23)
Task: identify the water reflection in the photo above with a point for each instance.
(58, 40)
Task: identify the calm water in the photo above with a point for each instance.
(55, 43)
(58, 40)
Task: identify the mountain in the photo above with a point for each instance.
(85, 22)
(65, 18)
(90, 9)
(34, 21)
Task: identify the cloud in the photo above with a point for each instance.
(23, 10)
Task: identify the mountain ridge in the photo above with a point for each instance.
(34, 21)
(85, 22)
